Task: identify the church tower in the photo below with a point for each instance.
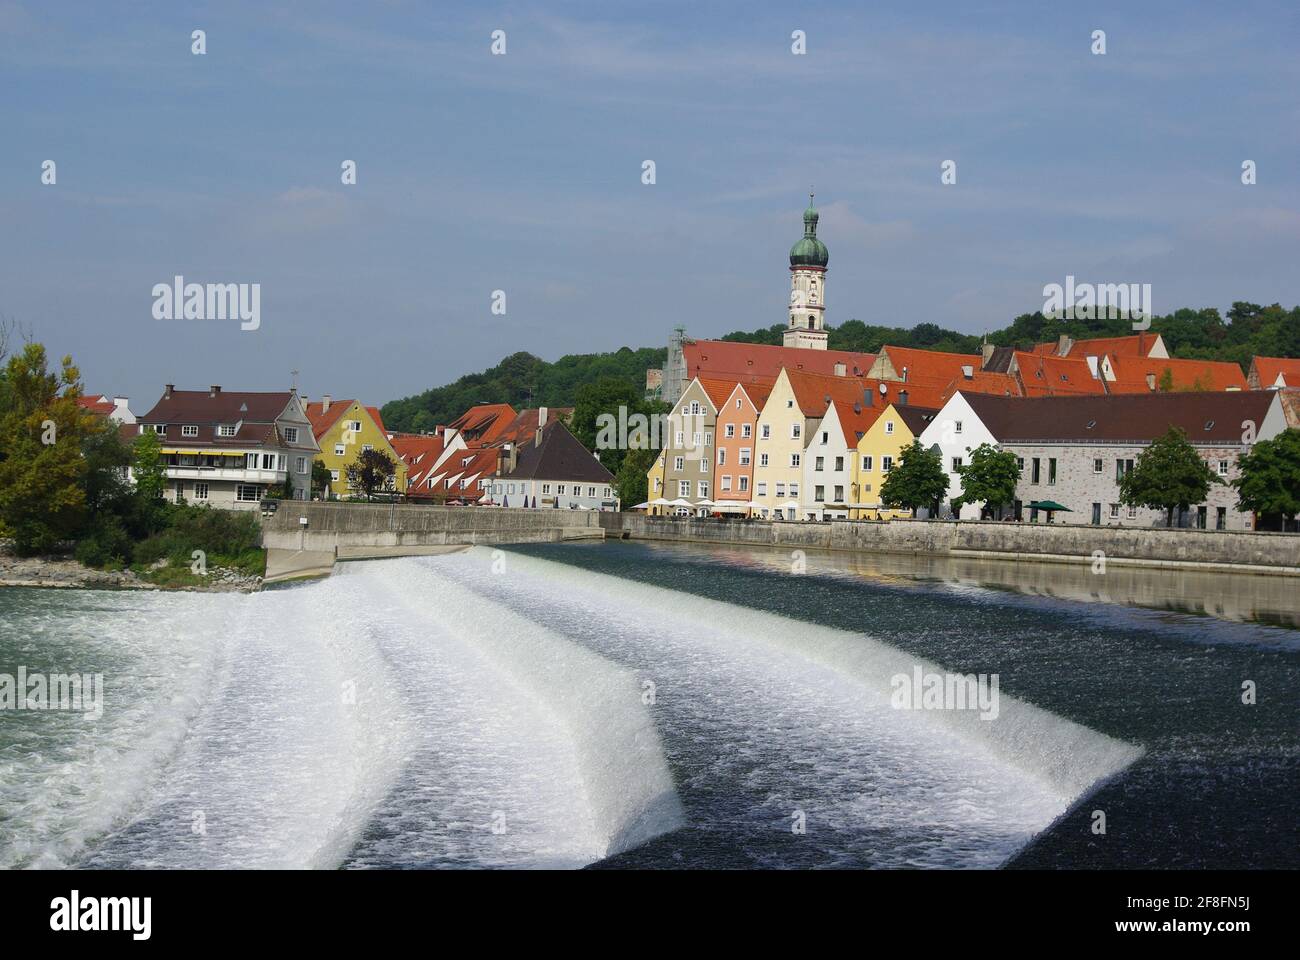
(807, 327)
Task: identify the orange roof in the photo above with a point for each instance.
(524, 425)
(1268, 369)
(930, 363)
(1137, 345)
(855, 419)
(483, 422)
(322, 419)
(379, 420)
(813, 392)
(1051, 376)
(982, 381)
(718, 390)
(757, 390)
(97, 404)
(731, 360)
(1131, 374)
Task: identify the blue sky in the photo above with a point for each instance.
(523, 173)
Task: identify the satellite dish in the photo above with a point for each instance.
(884, 389)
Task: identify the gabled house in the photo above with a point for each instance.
(828, 459)
(553, 471)
(226, 448)
(1149, 375)
(481, 424)
(343, 428)
(736, 430)
(116, 409)
(1273, 373)
(688, 448)
(426, 457)
(1141, 344)
(877, 451)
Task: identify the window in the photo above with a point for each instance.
(591, 491)
(744, 456)
(679, 463)
(681, 438)
(559, 489)
(794, 489)
(1114, 511)
(795, 459)
(886, 464)
(726, 483)
(1096, 513)
(1097, 465)
(180, 491)
(839, 494)
(695, 408)
(683, 488)
(839, 463)
(738, 403)
(704, 465)
(1132, 513)
(354, 426)
(708, 438)
(761, 489)
(819, 494)
(866, 462)
(546, 487)
(367, 446)
(160, 428)
(703, 487)
(780, 489)
(340, 449)
(695, 439)
(1020, 465)
(825, 437)
(1122, 467)
(226, 430)
(201, 491)
(248, 493)
(1051, 471)
(767, 431)
(189, 431)
(722, 456)
(762, 459)
(290, 434)
(796, 431)
(301, 464)
(1221, 518)
(746, 430)
(1036, 473)
(789, 404)
(744, 483)
(731, 431)
(819, 463)
(608, 493)
(889, 426)
(956, 464)
(334, 476)
(1223, 471)
(956, 428)
(268, 461)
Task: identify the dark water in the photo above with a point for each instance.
(1219, 784)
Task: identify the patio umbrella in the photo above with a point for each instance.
(639, 506)
(1051, 506)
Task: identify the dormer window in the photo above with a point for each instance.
(290, 434)
(160, 429)
(226, 430)
(189, 430)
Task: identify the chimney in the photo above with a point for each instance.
(537, 437)
(167, 391)
(325, 403)
(968, 371)
(541, 417)
(1063, 345)
(213, 390)
(840, 370)
(986, 354)
(902, 398)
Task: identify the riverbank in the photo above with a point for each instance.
(63, 572)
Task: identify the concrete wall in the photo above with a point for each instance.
(1261, 552)
(348, 527)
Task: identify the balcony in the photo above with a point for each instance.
(232, 474)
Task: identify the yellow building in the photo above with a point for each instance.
(878, 450)
(656, 484)
(344, 428)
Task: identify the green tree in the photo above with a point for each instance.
(990, 477)
(1169, 474)
(148, 467)
(630, 480)
(321, 478)
(42, 470)
(107, 460)
(1268, 480)
(916, 480)
(604, 397)
(372, 470)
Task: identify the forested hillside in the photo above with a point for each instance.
(523, 380)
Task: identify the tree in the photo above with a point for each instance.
(917, 480)
(1268, 480)
(107, 460)
(1168, 474)
(321, 478)
(372, 470)
(148, 467)
(42, 498)
(990, 477)
(630, 481)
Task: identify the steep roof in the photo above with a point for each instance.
(100, 404)
(1211, 417)
(559, 456)
(483, 422)
(321, 419)
(1131, 374)
(731, 360)
(718, 390)
(758, 391)
(855, 419)
(1047, 376)
(1137, 345)
(932, 364)
(524, 425)
(916, 418)
(1268, 369)
(221, 406)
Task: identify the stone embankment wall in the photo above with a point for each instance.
(1140, 546)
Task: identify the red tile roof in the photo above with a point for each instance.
(483, 423)
(1137, 345)
(1050, 376)
(729, 360)
(1268, 369)
(97, 404)
(1131, 374)
(930, 364)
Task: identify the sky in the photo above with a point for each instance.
(523, 173)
